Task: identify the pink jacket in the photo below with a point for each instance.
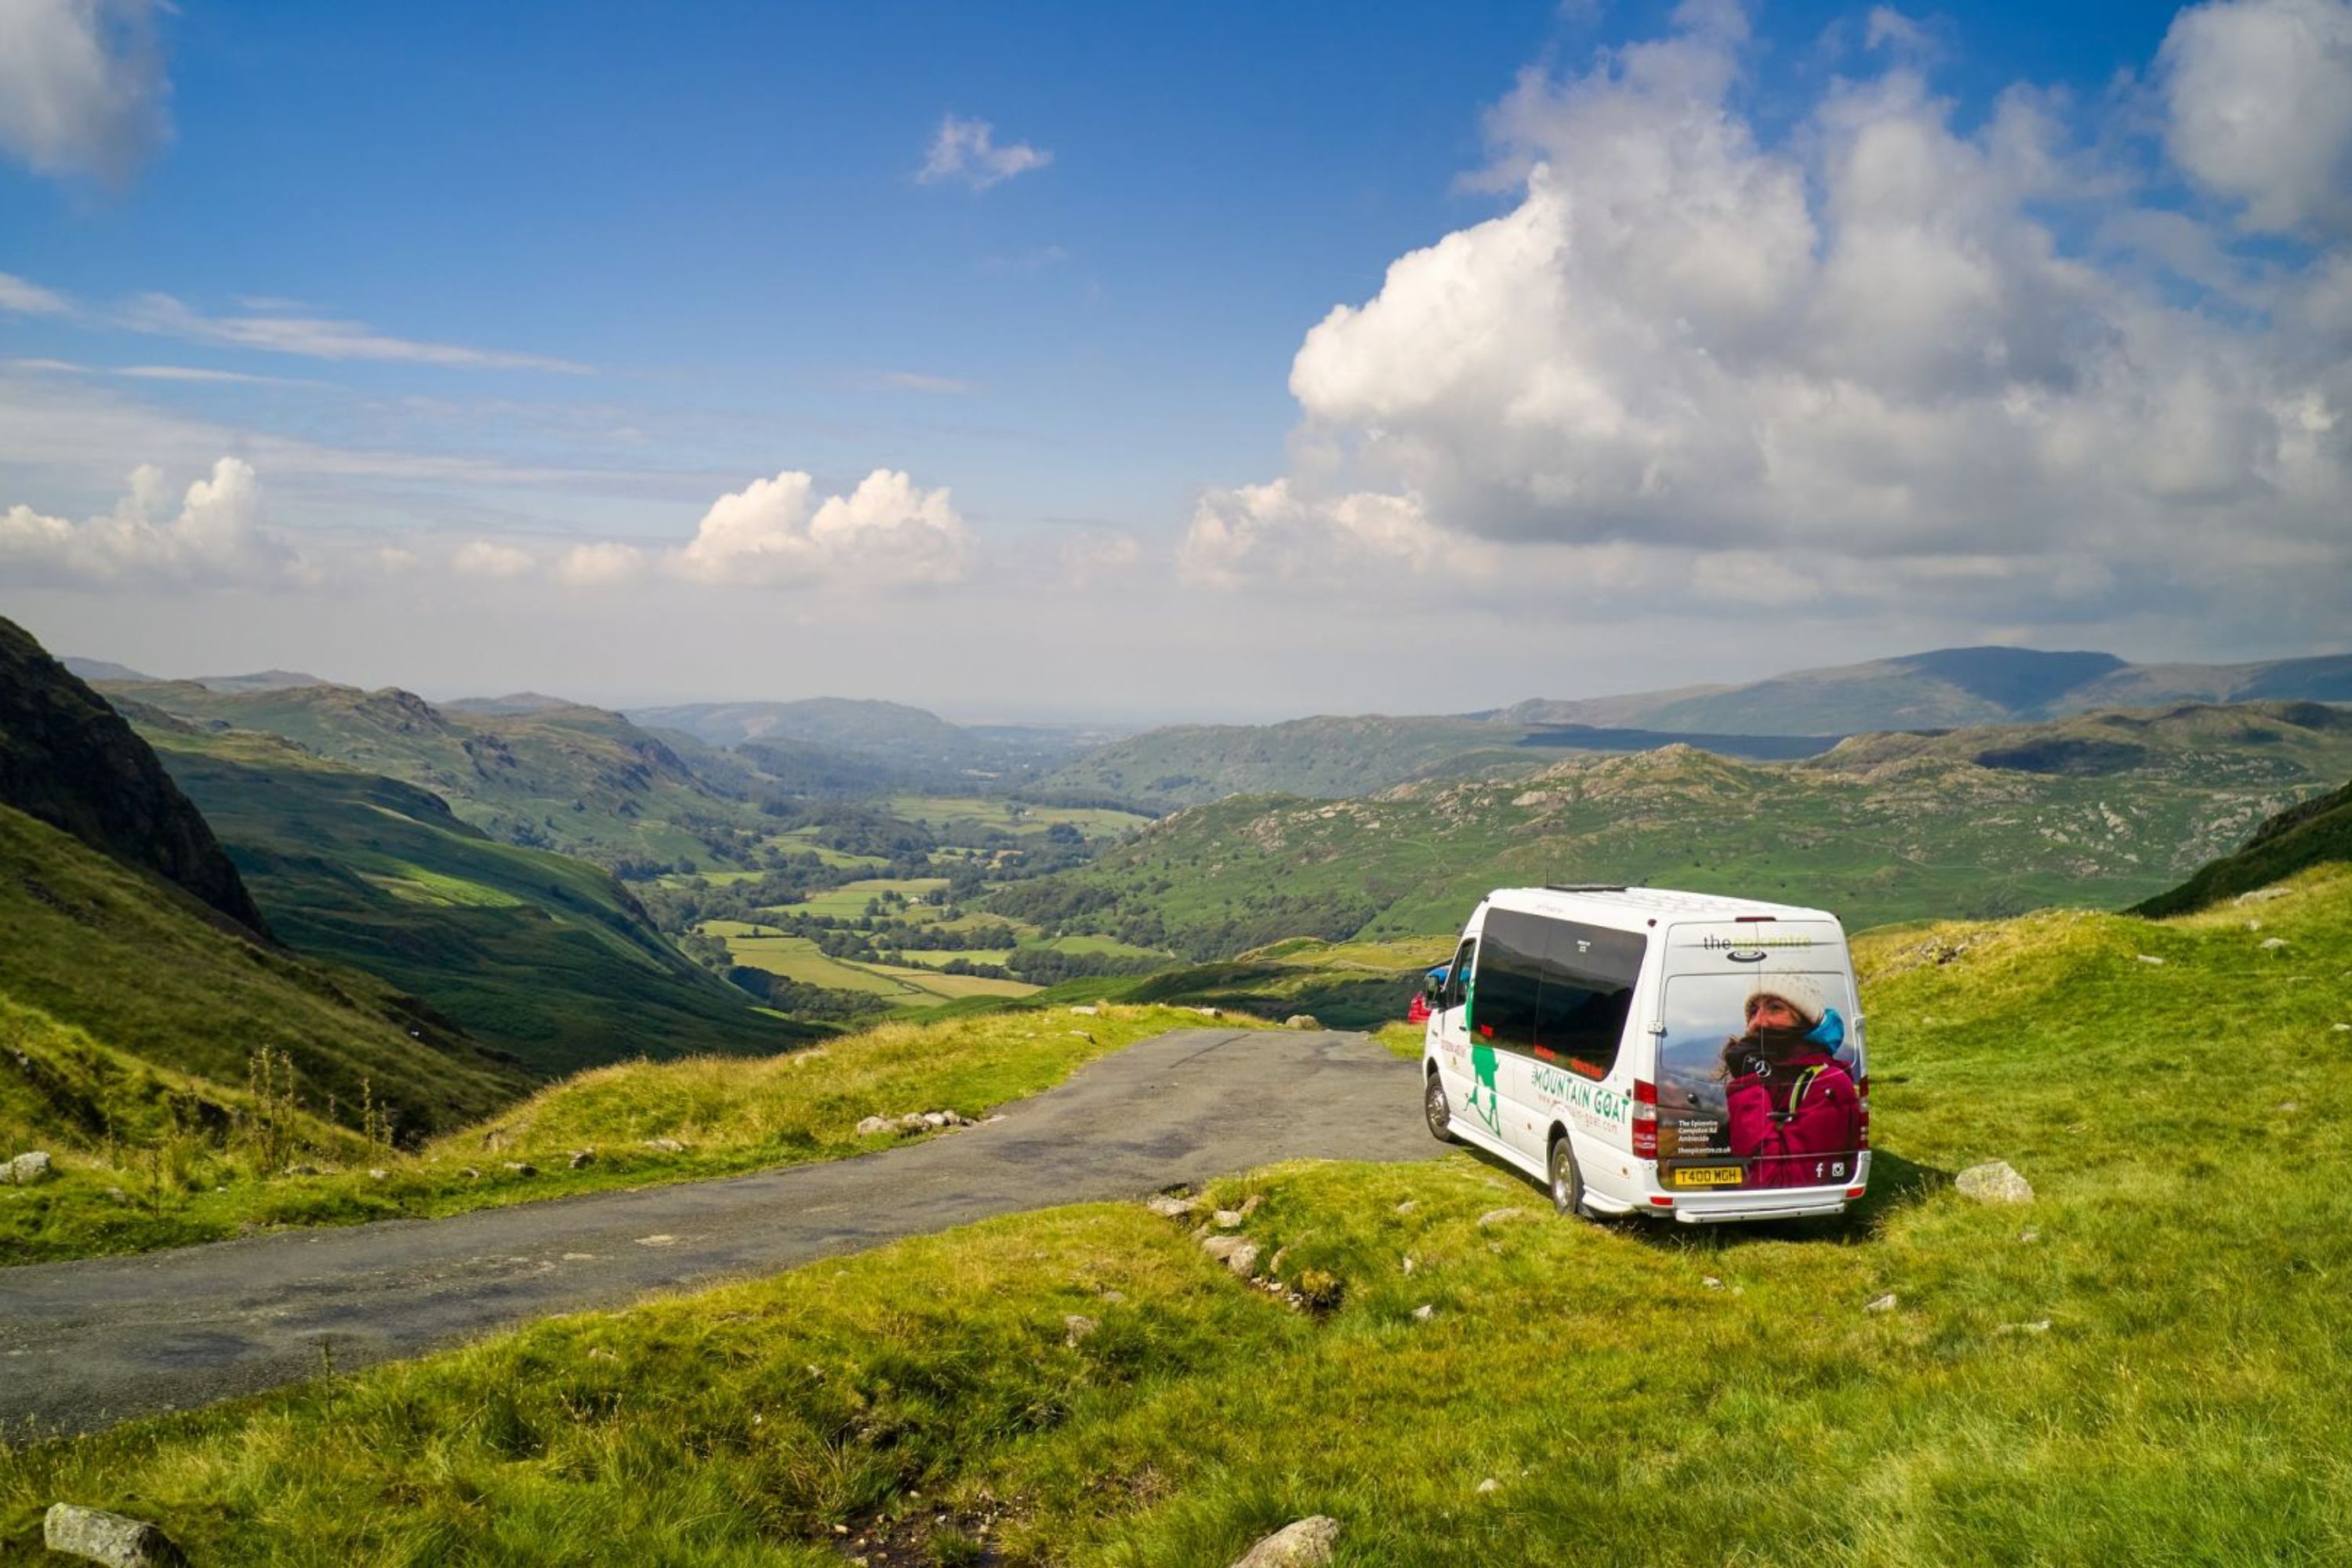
(1809, 1144)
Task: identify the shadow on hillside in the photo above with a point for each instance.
(1895, 1184)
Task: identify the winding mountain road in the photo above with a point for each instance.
(86, 1344)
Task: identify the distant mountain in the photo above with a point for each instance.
(580, 779)
(1948, 688)
(100, 670)
(890, 730)
(70, 761)
(512, 702)
(2314, 833)
(260, 681)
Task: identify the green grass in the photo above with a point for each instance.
(2135, 1368)
(730, 1114)
(798, 958)
(848, 901)
(994, 813)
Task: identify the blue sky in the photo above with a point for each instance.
(536, 279)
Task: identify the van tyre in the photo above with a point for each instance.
(1439, 1114)
(1567, 1181)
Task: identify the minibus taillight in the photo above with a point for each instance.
(1862, 1122)
(1645, 1120)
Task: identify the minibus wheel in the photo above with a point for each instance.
(1440, 1114)
(1567, 1181)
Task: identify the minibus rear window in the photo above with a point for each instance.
(1556, 989)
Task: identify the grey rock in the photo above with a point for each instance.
(665, 1146)
(2149, 958)
(1226, 1219)
(2272, 943)
(1882, 1304)
(912, 1122)
(111, 1538)
(583, 1157)
(33, 1165)
(1085, 1012)
(1424, 1313)
(1302, 1543)
(1302, 1021)
(378, 1173)
(1489, 1484)
(1994, 1181)
(873, 1124)
(1168, 1206)
(1238, 1252)
(1075, 1326)
(935, 1119)
(470, 1173)
(1493, 1217)
(521, 1168)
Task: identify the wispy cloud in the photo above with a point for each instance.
(914, 381)
(966, 150)
(319, 337)
(1032, 261)
(82, 88)
(29, 299)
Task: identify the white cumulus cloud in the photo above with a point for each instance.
(966, 151)
(1864, 351)
(603, 565)
(487, 558)
(213, 534)
(2260, 93)
(82, 87)
(773, 532)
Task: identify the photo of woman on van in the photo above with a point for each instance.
(1794, 1112)
(1758, 1068)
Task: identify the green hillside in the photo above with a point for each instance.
(542, 955)
(1332, 757)
(580, 780)
(2132, 1368)
(2101, 809)
(2318, 832)
(149, 974)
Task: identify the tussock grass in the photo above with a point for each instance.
(2138, 1367)
(727, 1114)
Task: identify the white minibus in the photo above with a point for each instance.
(1646, 1051)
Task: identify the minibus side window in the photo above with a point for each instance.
(1510, 961)
(1457, 976)
(1587, 990)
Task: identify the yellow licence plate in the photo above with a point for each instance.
(1708, 1176)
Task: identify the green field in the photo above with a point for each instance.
(987, 814)
(848, 901)
(799, 958)
(2131, 1369)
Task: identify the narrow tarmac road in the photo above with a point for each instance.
(84, 1345)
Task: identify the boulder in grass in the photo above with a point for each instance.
(1994, 1181)
(1302, 1021)
(1302, 1543)
(873, 1124)
(1238, 1252)
(97, 1536)
(33, 1166)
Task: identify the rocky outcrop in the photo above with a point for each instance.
(70, 761)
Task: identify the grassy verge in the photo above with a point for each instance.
(2128, 1369)
(641, 1122)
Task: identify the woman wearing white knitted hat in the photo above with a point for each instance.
(1795, 1112)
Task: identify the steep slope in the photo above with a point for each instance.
(2101, 809)
(539, 954)
(70, 761)
(2318, 832)
(580, 779)
(146, 971)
